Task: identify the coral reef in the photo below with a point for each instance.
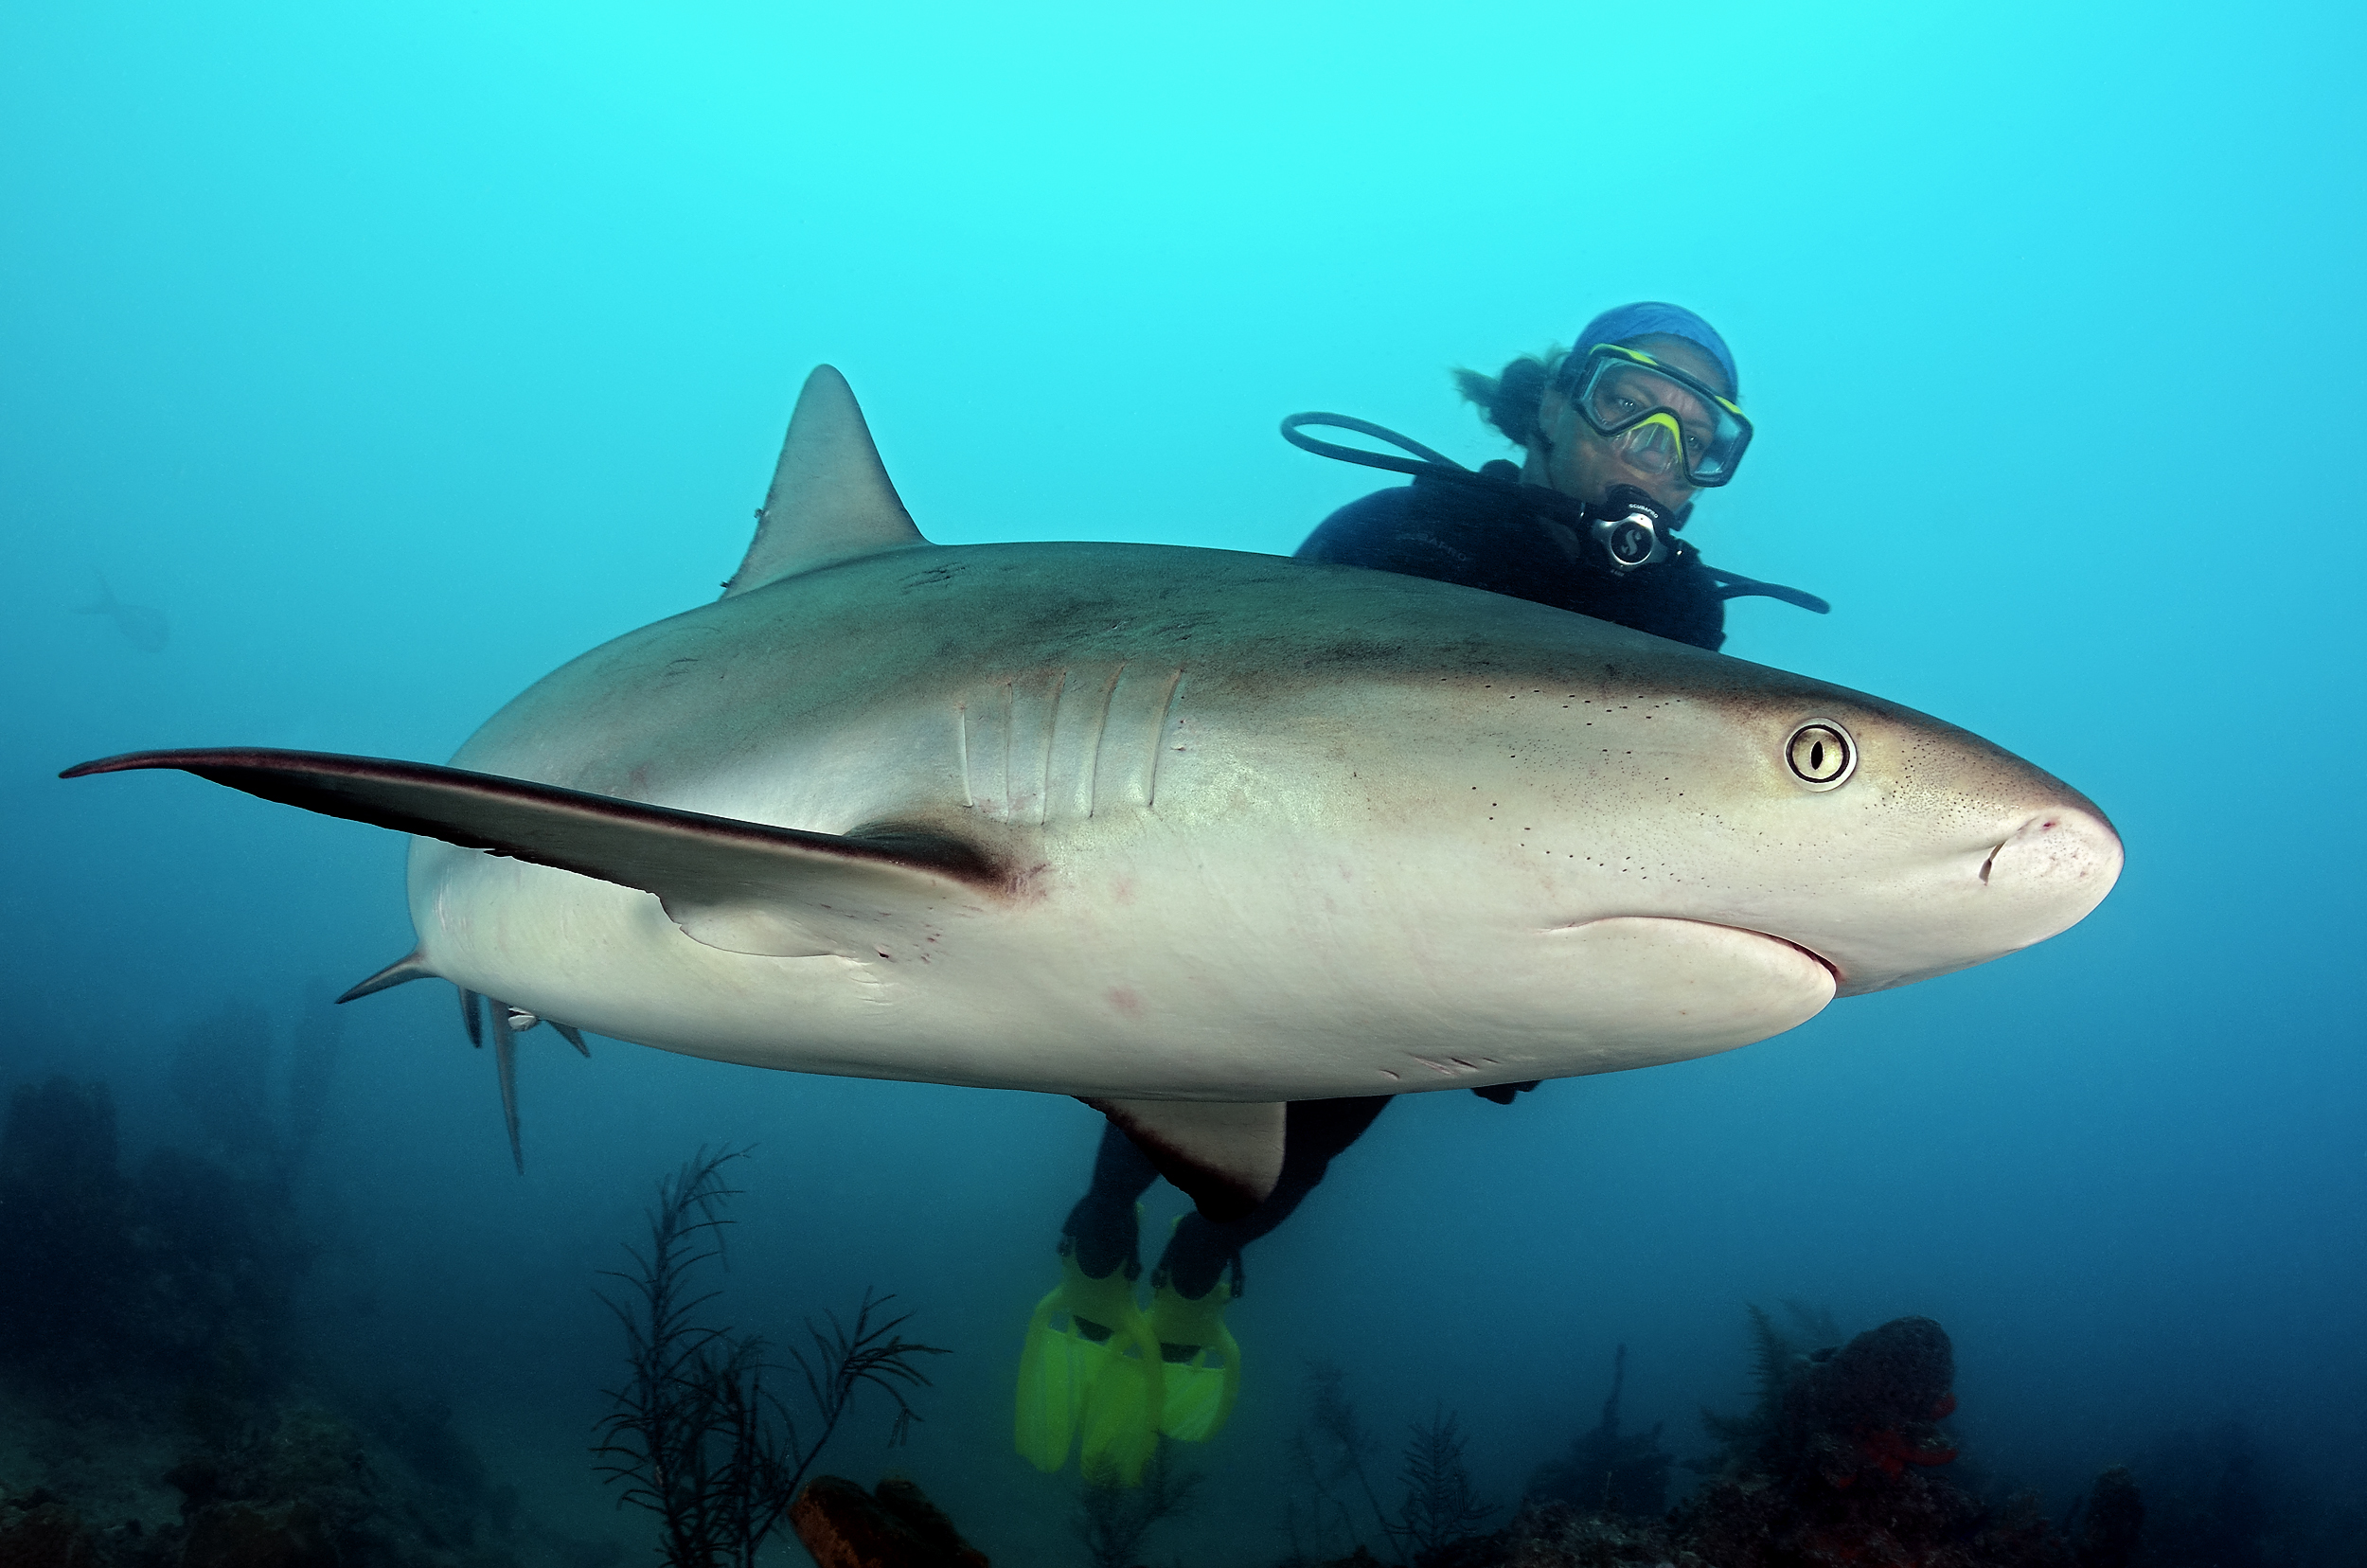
(1330, 1458)
(195, 1260)
(895, 1526)
(65, 1226)
(154, 1411)
(301, 1488)
(1331, 1454)
(158, 1410)
(1608, 1470)
(1112, 1519)
(2208, 1499)
(313, 1488)
(189, 1267)
(696, 1436)
(1840, 1460)
(38, 1530)
(2114, 1522)
(1871, 1408)
(1440, 1506)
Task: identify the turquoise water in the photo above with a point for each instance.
(398, 355)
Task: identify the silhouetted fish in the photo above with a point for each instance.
(144, 629)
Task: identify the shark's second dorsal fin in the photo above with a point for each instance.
(831, 498)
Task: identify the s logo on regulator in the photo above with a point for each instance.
(1821, 755)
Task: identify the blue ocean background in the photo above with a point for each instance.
(398, 355)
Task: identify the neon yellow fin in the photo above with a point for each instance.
(1201, 1391)
(1105, 1394)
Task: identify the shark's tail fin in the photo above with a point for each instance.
(106, 605)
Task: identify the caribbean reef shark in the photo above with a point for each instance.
(1186, 833)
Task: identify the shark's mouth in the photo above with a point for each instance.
(1803, 948)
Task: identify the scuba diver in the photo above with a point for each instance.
(1619, 435)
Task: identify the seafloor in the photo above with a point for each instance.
(158, 1409)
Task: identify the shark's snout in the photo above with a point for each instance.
(2064, 854)
(2050, 863)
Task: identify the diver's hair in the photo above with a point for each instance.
(1508, 399)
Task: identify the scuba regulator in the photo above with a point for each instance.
(1630, 530)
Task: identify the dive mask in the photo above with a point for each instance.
(1661, 419)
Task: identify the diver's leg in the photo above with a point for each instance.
(1313, 1132)
(1101, 1229)
(1200, 1359)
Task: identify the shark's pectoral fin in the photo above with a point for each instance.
(742, 886)
(1226, 1155)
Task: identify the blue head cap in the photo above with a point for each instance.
(1622, 322)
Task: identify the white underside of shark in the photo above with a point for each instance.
(1143, 824)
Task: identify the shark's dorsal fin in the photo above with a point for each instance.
(831, 498)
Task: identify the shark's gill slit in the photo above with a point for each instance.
(1010, 719)
(1043, 759)
(1091, 793)
(961, 715)
(1158, 736)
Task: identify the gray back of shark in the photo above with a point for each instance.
(1187, 833)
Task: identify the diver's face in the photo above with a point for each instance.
(1584, 466)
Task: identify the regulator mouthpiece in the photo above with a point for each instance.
(1629, 530)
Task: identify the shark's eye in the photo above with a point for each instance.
(1821, 754)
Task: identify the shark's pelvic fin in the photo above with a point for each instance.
(507, 1023)
(506, 1065)
(1227, 1156)
(832, 499)
(408, 966)
(740, 886)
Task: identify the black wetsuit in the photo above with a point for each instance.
(1504, 538)
(1508, 538)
